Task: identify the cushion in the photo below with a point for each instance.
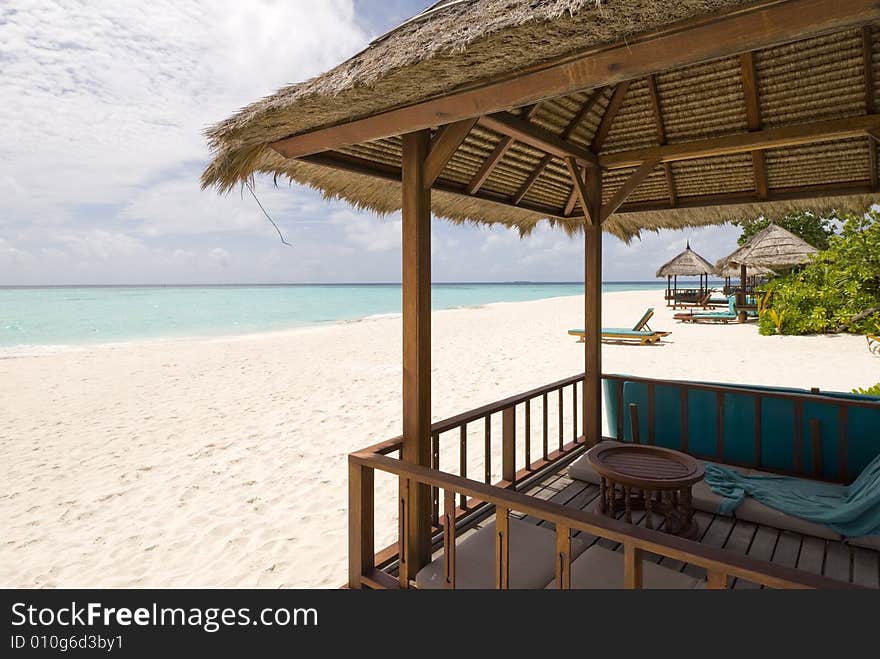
(753, 510)
(601, 568)
(531, 560)
(750, 510)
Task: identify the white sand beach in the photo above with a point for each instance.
(221, 462)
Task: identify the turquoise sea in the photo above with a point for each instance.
(63, 316)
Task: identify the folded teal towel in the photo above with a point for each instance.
(851, 510)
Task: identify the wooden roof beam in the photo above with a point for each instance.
(608, 118)
(753, 117)
(537, 137)
(720, 34)
(580, 191)
(870, 104)
(444, 147)
(365, 167)
(750, 197)
(576, 120)
(770, 138)
(661, 135)
(628, 187)
(498, 153)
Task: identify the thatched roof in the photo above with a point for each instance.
(686, 264)
(732, 270)
(773, 247)
(459, 44)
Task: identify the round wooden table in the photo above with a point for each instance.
(649, 478)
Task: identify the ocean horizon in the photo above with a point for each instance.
(74, 315)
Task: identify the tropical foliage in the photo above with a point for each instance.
(812, 228)
(839, 290)
(870, 391)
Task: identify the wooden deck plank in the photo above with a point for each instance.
(704, 521)
(837, 561)
(787, 549)
(866, 567)
(715, 536)
(561, 497)
(812, 556)
(761, 548)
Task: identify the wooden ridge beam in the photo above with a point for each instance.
(537, 137)
(611, 111)
(357, 165)
(498, 153)
(770, 138)
(566, 135)
(753, 117)
(629, 185)
(444, 147)
(724, 33)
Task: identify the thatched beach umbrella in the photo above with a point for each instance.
(773, 248)
(686, 264)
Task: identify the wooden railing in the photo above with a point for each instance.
(464, 496)
(720, 564)
(800, 429)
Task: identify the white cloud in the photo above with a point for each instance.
(101, 97)
(368, 231)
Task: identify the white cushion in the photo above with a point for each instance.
(600, 568)
(531, 559)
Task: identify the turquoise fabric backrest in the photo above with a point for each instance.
(723, 425)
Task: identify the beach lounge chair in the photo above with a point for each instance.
(640, 333)
(728, 316)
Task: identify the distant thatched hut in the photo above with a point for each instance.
(773, 248)
(686, 264)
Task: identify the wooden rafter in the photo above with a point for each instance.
(364, 167)
(661, 135)
(530, 181)
(579, 186)
(444, 147)
(608, 118)
(537, 137)
(576, 120)
(769, 138)
(625, 190)
(753, 117)
(760, 24)
(498, 153)
(870, 104)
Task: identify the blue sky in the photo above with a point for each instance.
(103, 107)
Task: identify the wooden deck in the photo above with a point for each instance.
(833, 559)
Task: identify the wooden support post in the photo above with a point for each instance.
(592, 396)
(717, 580)
(361, 550)
(741, 297)
(416, 347)
(502, 548)
(632, 566)
(563, 557)
(449, 538)
(508, 444)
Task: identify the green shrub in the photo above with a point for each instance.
(836, 285)
(870, 391)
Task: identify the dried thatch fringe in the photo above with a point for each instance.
(686, 264)
(773, 247)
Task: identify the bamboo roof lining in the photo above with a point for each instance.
(810, 80)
